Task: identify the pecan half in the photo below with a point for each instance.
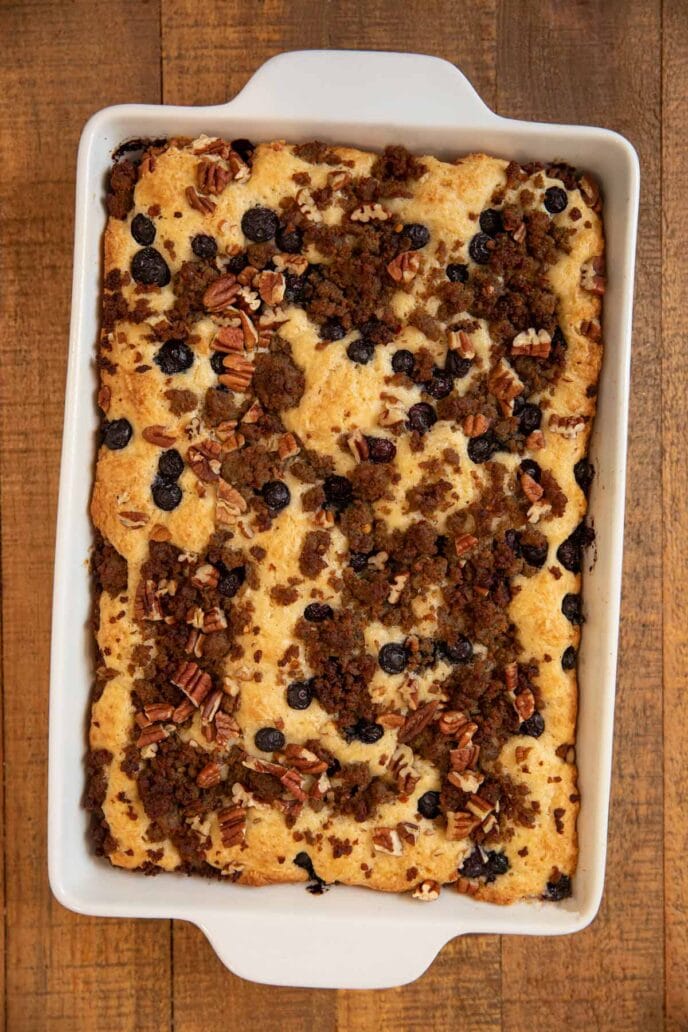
(418, 721)
(532, 342)
(232, 821)
(194, 682)
(460, 824)
(210, 775)
(221, 294)
(211, 176)
(530, 487)
(239, 372)
(133, 520)
(228, 339)
(159, 435)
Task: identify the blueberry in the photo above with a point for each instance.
(332, 329)
(558, 890)
(338, 492)
(358, 561)
(479, 248)
(289, 239)
(461, 652)
(166, 494)
(174, 357)
(204, 246)
(237, 263)
(497, 863)
(556, 199)
(571, 608)
(217, 363)
(569, 553)
(259, 224)
(584, 473)
(170, 464)
(491, 222)
(455, 365)
(484, 865)
(300, 694)
(474, 866)
(269, 739)
(457, 273)
(276, 494)
(440, 386)
(244, 148)
(533, 726)
(381, 449)
(530, 418)
(535, 555)
(369, 733)
(417, 234)
(117, 434)
(142, 230)
(513, 540)
(361, 351)
(403, 361)
(231, 580)
(295, 287)
(568, 658)
(421, 417)
(150, 268)
(532, 468)
(317, 612)
(481, 448)
(393, 657)
(429, 805)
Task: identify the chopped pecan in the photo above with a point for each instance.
(238, 167)
(194, 643)
(304, 760)
(532, 342)
(147, 602)
(460, 824)
(590, 191)
(403, 770)
(408, 832)
(296, 263)
(151, 735)
(504, 384)
(387, 840)
(451, 722)
(592, 329)
(226, 729)
(478, 806)
(104, 396)
(464, 756)
(418, 721)
(206, 576)
(287, 446)
(566, 426)
(133, 520)
(158, 711)
(232, 821)
(271, 286)
(530, 487)
(229, 505)
(211, 176)
(474, 426)
(358, 445)
(338, 179)
(228, 339)
(391, 720)
(404, 267)
(253, 414)
(369, 213)
(427, 891)
(511, 676)
(292, 781)
(199, 203)
(211, 705)
(535, 441)
(464, 543)
(159, 435)
(538, 510)
(524, 704)
(459, 340)
(182, 712)
(214, 620)
(206, 469)
(397, 587)
(592, 276)
(467, 780)
(307, 205)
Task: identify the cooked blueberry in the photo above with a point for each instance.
(559, 889)
(231, 580)
(491, 221)
(429, 805)
(142, 230)
(358, 561)
(300, 694)
(244, 148)
(479, 248)
(556, 199)
(417, 234)
(338, 492)
(558, 340)
(259, 224)
(481, 448)
(269, 739)
(217, 363)
(568, 658)
(460, 652)
(117, 434)
(361, 351)
(166, 494)
(237, 263)
(530, 418)
(332, 329)
(289, 239)
(393, 657)
(457, 273)
(369, 733)
(584, 472)
(513, 540)
(381, 449)
(402, 361)
(474, 866)
(455, 365)
(571, 608)
(569, 553)
(532, 468)
(533, 726)
(150, 268)
(295, 287)
(497, 863)
(204, 246)
(440, 386)
(276, 494)
(535, 555)
(421, 417)
(174, 357)
(316, 612)
(171, 464)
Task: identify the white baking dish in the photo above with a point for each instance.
(348, 938)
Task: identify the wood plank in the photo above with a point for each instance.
(675, 488)
(598, 62)
(59, 65)
(208, 54)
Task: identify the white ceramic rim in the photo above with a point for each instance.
(280, 934)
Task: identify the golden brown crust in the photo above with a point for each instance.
(338, 398)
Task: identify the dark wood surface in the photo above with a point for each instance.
(617, 63)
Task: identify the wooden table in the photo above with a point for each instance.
(614, 63)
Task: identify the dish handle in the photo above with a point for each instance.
(322, 954)
(363, 86)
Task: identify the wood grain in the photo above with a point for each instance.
(59, 67)
(675, 492)
(611, 975)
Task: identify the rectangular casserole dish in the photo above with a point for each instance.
(281, 934)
